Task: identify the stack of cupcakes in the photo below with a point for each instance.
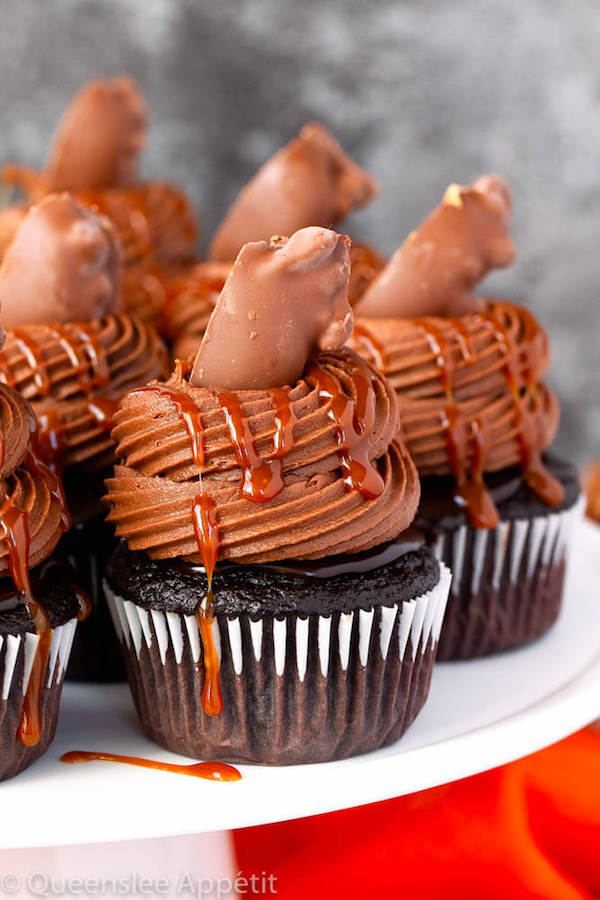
(338, 434)
(477, 418)
(271, 605)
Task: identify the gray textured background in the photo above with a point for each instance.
(422, 93)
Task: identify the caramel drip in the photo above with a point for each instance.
(262, 477)
(373, 347)
(206, 529)
(188, 413)
(211, 771)
(90, 355)
(543, 484)
(285, 422)
(353, 420)
(204, 516)
(91, 372)
(50, 435)
(103, 410)
(31, 351)
(471, 491)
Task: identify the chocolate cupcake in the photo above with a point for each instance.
(310, 181)
(270, 605)
(477, 417)
(72, 354)
(94, 155)
(39, 605)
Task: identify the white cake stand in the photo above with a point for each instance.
(480, 714)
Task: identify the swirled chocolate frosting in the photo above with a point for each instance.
(33, 516)
(32, 512)
(318, 460)
(467, 370)
(310, 181)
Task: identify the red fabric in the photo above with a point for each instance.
(526, 831)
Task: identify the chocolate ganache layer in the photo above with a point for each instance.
(384, 576)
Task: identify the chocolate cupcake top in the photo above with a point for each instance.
(95, 156)
(467, 370)
(191, 297)
(68, 349)
(310, 181)
(281, 443)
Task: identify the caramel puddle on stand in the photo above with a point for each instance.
(210, 771)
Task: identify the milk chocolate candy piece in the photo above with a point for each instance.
(99, 138)
(436, 269)
(63, 265)
(310, 181)
(283, 301)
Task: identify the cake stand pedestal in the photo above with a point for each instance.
(480, 714)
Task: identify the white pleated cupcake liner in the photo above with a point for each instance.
(366, 671)
(17, 654)
(23, 648)
(510, 565)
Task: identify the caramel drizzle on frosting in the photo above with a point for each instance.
(206, 530)
(74, 375)
(90, 371)
(470, 486)
(540, 480)
(354, 419)
(468, 438)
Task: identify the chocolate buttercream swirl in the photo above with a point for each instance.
(318, 460)
(190, 298)
(16, 420)
(74, 374)
(154, 220)
(32, 511)
(470, 394)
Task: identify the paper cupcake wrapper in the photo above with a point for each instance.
(17, 653)
(295, 689)
(507, 582)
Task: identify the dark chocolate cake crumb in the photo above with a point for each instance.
(260, 590)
